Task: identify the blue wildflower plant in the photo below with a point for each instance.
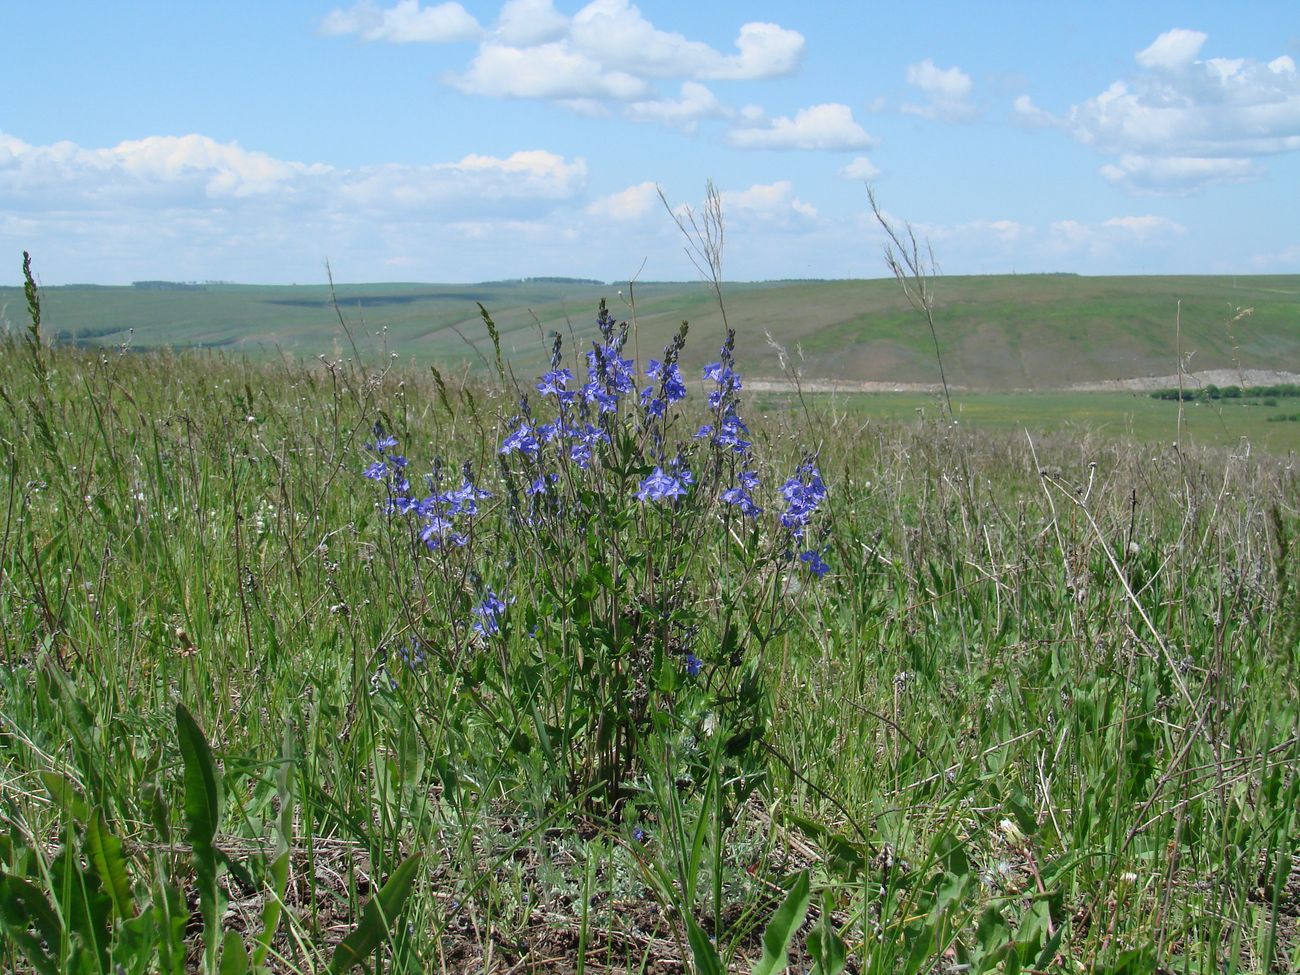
(622, 576)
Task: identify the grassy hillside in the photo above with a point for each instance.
(961, 705)
(1035, 331)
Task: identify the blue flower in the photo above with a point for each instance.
(803, 493)
(741, 499)
(377, 471)
(541, 483)
(490, 613)
(660, 486)
(692, 665)
(813, 560)
(553, 383)
(412, 654)
(729, 433)
(523, 440)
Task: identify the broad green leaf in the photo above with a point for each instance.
(23, 907)
(65, 793)
(234, 959)
(202, 813)
(829, 953)
(376, 920)
(706, 957)
(104, 850)
(781, 929)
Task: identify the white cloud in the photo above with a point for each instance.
(830, 127)
(404, 23)
(696, 102)
(766, 202)
(189, 207)
(1286, 259)
(195, 173)
(1173, 49)
(552, 71)
(766, 51)
(1175, 174)
(1030, 114)
(861, 168)
(528, 23)
(1113, 235)
(947, 92)
(632, 203)
(156, 168)
(1147, 227)
(607, 51)
(1185, 123)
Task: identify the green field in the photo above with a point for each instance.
(977, 706)
(996, 332)
(1087, 416)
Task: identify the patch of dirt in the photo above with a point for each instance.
(1136, 384)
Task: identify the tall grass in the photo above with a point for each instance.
(1041, 713)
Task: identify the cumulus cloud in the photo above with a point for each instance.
(1112, 235)
(607, 51)
(1173, 49)
(404, 23)
(615, 32)
(947, 92)
(194, 172)
(551, 71)
(696, 102)
(830, 127)
(192, 207)
(1147, 227)
(861, 168)
(528, 23)
(767, 202)
(1184, 123)
(1171, 174)
(632, 203)
(156, 168)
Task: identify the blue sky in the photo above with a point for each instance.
(413, 141)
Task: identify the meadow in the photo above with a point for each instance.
(998, 332)
(312, 664)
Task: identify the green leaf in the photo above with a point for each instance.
(272, 909)
(65, 793)
(22, 907)
(376, 920)
(829, 953)
(202, 812)
(104, 850)
(706, 957)
(234, 959)
(202, 787)
(781, 929)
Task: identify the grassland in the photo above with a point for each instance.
(1039, 715)
(997, 332)
(1127, 417)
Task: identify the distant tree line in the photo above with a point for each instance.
(543, 280)
(168, 285)
(1213, 392)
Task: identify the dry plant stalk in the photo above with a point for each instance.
(914, 271)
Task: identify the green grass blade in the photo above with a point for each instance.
(781, 929)
(377, 919)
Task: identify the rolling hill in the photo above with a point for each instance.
(996, 332)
